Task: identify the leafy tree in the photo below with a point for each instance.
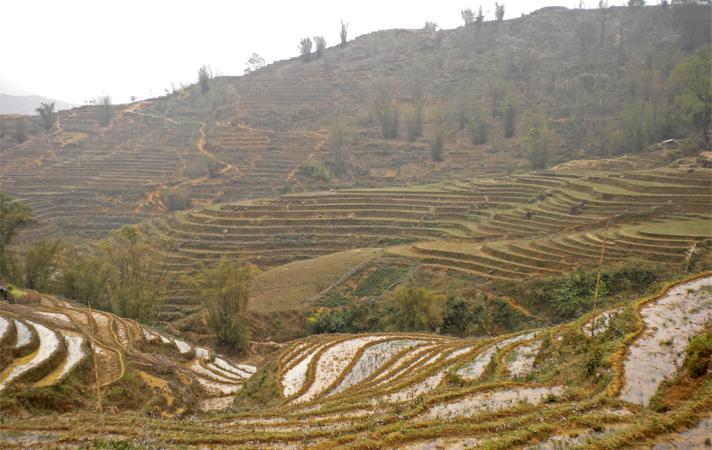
(413, 309)
(20, 131)
(536, 144)
(437, 141)
(478, 128)
(336, 141)
(254, 63)
(47, 115)
(468, 16)
(320, 42)
(136, 274)
(83, 278)
(176, 199)
(480, 16)
(41, 264)
(305, 49)
(499, 12)
(691, 83)
(510, 111)
(636, 131)
(343, 34)
(387, 112)
(225, 289)
(14, 215)
(415, 122)
(204, 76)
(699, 355)
(105, 111)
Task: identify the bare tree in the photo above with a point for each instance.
(636, 3)
(431, 26)
(343, 34)
(603, 6)
(255, 62)
(468, 16)
(105, 111)
(204, 76)
(320, 43)
(47, 115)
(305, 49)
(480, 16)
(499, 12)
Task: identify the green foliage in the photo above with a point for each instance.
(225, 289)
(464, 317)
(568, 297)
(41, 264)
(691, 83)
(636, 131)
(202, 166)
(387, 112)
(336, 141)
(699, 355)
(536, 144)
(204, 76)
(509, 119)
(478, 128)
(415, 122)
(47, 115)
(176, 199)
(413, 309)
(437, 142)
(316, 170)
(124, 274)
(14, 215)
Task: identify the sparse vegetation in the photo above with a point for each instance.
(47, 115)
(343, 34)
(255, 62)
(205, 74)
(305, 49)
(14, 215)
(225, 290)
(320, 43)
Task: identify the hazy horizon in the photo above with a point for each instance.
(110, 48)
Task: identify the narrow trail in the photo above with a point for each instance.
(200, 146)
(317, 148)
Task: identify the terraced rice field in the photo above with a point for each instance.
(46, 342)
(409, 390)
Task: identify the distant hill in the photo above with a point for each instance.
(26, 104)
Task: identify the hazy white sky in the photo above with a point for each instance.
(74, 50)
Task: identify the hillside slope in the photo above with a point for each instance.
(619, 379)
(249, 135)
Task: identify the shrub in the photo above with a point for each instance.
(387, 112)
(202, 166)
(499, 12)
(699, 355)
(316, 170)
(176, 199)
(510, 118)
(47, 115)
(415, 122)
(105, 111)
(225, 289)
(20, 131)
(437, 143)
(305, 49)
(320, 43)
(204, 76)
(413, 309)
(478, 128)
